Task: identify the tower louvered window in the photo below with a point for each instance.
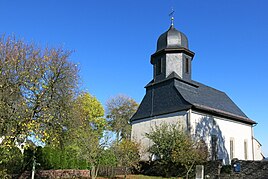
(187, 65)
(158, 67)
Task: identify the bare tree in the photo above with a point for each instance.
(119, 111)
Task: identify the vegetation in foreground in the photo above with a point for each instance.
(41, 104)
(45, 117)
(175, 151)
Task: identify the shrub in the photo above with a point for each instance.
(10, 160)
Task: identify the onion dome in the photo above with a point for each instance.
(172, 39)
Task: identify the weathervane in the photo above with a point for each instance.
(171, 14)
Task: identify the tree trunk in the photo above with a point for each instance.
(97, 170)
(92, 172)
(188, 170)
(125, 173)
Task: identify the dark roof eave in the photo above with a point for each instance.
(140, 118)
(224, 113)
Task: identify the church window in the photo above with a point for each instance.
(187, 65)
(158, 67)
(214, 147)
(246, 149)
(231, 148)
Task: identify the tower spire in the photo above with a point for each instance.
(171, 15)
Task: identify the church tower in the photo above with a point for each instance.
(172, 55)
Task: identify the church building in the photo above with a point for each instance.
(172, 97)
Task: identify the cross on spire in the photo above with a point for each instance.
(171, 15)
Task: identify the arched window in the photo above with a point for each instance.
(232, 148)
(214, 147)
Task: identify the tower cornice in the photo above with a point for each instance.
(172, 50)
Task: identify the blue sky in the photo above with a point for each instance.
(113, 41)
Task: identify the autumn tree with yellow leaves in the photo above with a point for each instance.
(37, 87)
(40, 97)
(86, 128)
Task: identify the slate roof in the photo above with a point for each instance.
(174, 94)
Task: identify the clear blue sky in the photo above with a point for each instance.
(113, 41)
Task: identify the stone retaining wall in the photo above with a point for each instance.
(53, 174)
(252, 169)
(248, 170)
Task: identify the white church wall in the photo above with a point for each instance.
(258, 155)
(226, 131)
(141, 127)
